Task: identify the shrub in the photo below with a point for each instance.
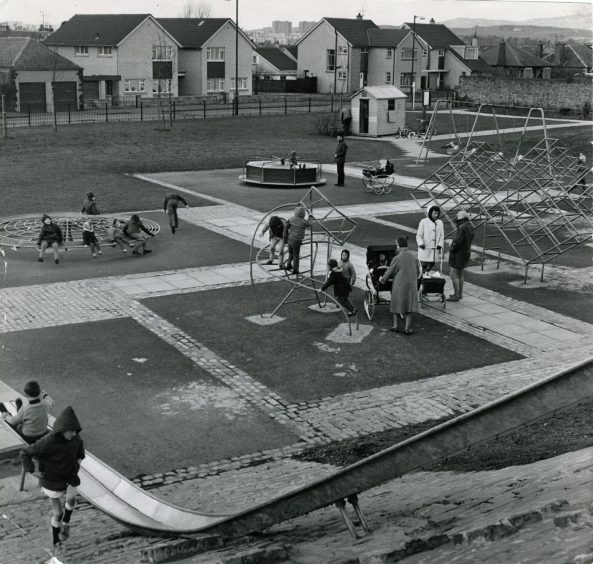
(586, 110)
(565, 111)
(328, 124)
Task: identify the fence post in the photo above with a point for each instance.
(29, 114)
(309, 104)
(141, 110)
(285, 105)
(204, 108)
(174, 110)
(69, 120)
(4, 132)
(106, 113)
(259, 105)
(55, 118)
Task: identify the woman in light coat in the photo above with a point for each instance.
(430, 238)
(405, 270)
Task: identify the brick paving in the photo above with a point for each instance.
(549, 342)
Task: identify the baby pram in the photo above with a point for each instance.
(377, 177)
(378, 259)
(431, 286)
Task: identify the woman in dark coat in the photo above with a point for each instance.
(459, 254)
(405, 270)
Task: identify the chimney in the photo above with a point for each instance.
(432, 21)
(359, 16)
(559, 49)
(540, 49)
(475, 42)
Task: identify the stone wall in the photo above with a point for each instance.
(548, 94)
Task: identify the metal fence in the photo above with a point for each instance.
(171, 110)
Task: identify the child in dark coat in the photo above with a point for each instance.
(49, 236)
(59, 455)
(342, 287)
(89, 206)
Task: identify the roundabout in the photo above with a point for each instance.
(281, 172)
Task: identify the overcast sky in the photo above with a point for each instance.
(260, 13)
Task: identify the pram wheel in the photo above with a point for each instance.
(369, 304)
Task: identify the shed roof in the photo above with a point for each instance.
(27, 54)
(95, 29)
(277, 58)
(438, 36)
(380, 92)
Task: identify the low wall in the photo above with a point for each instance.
(548, 94)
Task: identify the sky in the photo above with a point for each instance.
(255, 14)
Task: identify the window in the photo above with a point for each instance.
(389, 53)
(242, 83)
(342, 75)
(81, 51)
(255, 60)
(134, 85)
(387, 78)
(527, 72)
(215, 85)
(407, 54)
(330, 60)
(471, 53)
(162, 52)
(104, 51)
(390, 104)
(441, 52)
(215, 54)
(425, 52)
(342, 50)
(162, 86)
(405, 79)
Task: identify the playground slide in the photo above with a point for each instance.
(142, 512)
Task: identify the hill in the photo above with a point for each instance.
(547, 34)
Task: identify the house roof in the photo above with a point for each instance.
(93, 29)
(381, 92)
(575, 56)
(378, 37)
(474, 65)
(293, 50)
(438, 36)
(505, 54)
(192, 33)
(27, 54)
(277, 58)
(353, 30)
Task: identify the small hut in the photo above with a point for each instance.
(378, 110)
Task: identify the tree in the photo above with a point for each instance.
(192, 10)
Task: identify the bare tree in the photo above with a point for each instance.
(192, 9)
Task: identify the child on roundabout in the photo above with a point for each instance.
(49, 236)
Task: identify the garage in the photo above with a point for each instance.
(65, 96)
(32, 97)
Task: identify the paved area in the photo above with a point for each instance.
(544, 341)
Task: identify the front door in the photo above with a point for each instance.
(364, 116)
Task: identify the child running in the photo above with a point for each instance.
(89, 239)
(59, 455)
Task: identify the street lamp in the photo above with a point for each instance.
(236, 100)
(413, 59)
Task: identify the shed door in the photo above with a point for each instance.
(64, 96)
(32, 97)
(364, 116)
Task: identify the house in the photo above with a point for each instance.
(511, 61)
(123, 55)
(274, 63)
(348, 54)
(568, 60)
(35, 79)
(207, 55)
(445, 57)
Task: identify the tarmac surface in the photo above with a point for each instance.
(177, 387)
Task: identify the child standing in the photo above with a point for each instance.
(89, 239)
(341, 286)
(170, 206)
(294, 233)
(89, 206)
(115, 234)
(347, 267)
(30, 421)
(276, 228)
(59, 455)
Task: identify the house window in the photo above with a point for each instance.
(242, 83)
(405, 79)
(391, 104)
(162, 53)
(407, 54)
(215, 85)
(547, 72)
(104, 51)
(162, 86)
(81, 51)
(389, 53)
(441, 52)
(342, 75)
(342, 50)
(425, 52)
(330, 60)
(527, 72)
(387, 78)
(132, 85)
(471, 53)
(215, 54)
(255, 60)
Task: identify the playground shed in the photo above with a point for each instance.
(378, 110)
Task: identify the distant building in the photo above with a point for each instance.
(304, 27)
(568, 60)
(509, 60)
(282, 27)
